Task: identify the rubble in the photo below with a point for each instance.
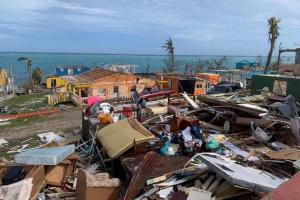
(212, 147)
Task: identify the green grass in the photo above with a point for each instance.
(17, 100)
(17, 103)
(24, 121)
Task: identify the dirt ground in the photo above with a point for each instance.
(63, 121)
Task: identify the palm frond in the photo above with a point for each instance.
(22, 58)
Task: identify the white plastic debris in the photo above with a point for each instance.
(50, 137)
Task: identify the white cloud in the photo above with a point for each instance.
(198, 21)
(75, 8)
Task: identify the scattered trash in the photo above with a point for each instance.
(3, 142)
(50, 137)
(219, 146)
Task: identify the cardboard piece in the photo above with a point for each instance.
(56, 175)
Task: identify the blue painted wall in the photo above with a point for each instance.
(70, 70)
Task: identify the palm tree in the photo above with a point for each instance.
(170, 49)
(273, 34)
(37, 75)
(29, 68)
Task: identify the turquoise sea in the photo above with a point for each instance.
(49, 61)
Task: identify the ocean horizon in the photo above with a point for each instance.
(50, 60)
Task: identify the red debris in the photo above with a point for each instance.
(30, 114)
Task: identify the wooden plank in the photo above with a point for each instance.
(144, 170)
(234, 194)
(208, 125)
(56, 175)
(37, 173)
(223, 186)
(208, 182)
(213, 187)
(228, 192)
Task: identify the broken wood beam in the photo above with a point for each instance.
(246, 121)
(206, 125)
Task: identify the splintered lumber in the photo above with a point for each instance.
(213, 187)
(144, 170)
(167, 175)
(222, 187)
(208, 125)
(193, 103)
(263, 123)
(208, 182)
(251, 109)
(147, 194)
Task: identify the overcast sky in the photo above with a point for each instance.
(198, 27)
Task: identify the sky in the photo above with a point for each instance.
(197, 27)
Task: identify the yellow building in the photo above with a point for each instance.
(3, 77)
(55, 82)
(97, 82)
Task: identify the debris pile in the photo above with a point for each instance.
(212, 147)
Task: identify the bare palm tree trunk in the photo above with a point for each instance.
(31, 87)
(269, 56)
(185, 69)
(172, 62)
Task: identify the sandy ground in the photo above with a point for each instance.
(64, 121)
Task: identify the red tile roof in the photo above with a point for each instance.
(98, 75)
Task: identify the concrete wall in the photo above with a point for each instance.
(260, 81)
(106, 89)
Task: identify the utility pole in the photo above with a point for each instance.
(12, 79)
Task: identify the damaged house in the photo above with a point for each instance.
(105, 83)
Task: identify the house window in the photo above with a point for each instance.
(199, 86)
(170, 83)
(116, 89)
(70, 72)
(102, 91)
(61, 69)
(53, 83)
(280, 87)
(79, 69)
